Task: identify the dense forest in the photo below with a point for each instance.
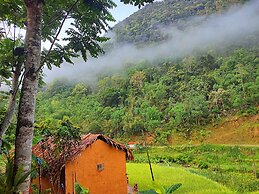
(167, 98)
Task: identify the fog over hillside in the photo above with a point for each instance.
(215, 31)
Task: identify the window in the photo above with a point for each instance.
(100, 167)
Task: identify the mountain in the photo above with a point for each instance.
(145, 25)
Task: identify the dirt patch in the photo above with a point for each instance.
(236, 130)
(233, 130)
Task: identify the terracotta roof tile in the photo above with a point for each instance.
(52, 158)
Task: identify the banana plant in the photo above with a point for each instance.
(8, 181)
(79, 189)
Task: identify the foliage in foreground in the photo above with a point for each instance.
(79, 189)
(9, 181)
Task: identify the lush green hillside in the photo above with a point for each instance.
(145, 25)
(163, 99)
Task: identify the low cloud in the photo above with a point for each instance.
(215, 31)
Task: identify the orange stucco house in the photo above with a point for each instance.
(96, 162)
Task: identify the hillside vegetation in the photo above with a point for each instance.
(168, 98)
(144, 26)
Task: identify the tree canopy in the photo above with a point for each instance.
(167, 98)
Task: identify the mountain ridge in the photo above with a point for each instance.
(144, 26)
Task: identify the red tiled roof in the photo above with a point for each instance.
(132, 143)
(56, 159)
(52, 159)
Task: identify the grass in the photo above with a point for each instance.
(166, 176)
(231, 166)
(228, 158)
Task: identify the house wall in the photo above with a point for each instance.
(83, 169)
(44, 184)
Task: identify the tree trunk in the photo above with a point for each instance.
(11, 103)
(25, 120)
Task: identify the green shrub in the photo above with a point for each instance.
(80, 189)
(203, 165)
(9, 181)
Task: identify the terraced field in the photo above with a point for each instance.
(166, 176)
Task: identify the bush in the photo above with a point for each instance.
(203, 165)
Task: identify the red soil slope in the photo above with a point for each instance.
(232, 130)
(242, 130)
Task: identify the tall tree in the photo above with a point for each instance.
(11, 55)
(44, 21)
(11, 61)
(25, 120)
